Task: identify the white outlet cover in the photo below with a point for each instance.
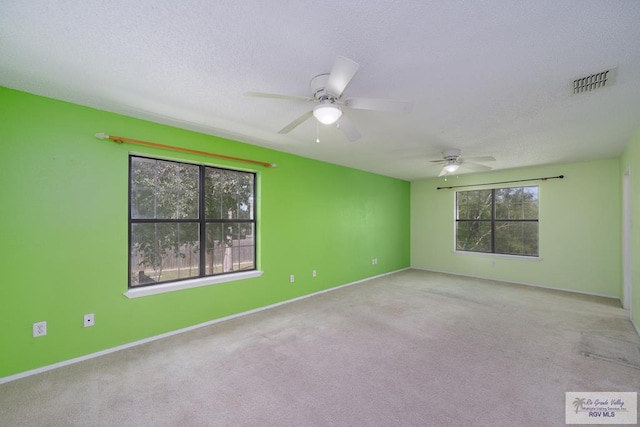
(39, 329)
(88, 320)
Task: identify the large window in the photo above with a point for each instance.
(188, 221)
(500, 220)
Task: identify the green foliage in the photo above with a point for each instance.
(163, 190)
(228, 194)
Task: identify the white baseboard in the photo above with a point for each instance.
(179, 331)
(523, 283)
(633, 323)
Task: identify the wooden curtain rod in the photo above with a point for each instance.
(503, 182)
(120, 140)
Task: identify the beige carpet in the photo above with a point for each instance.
(410, 349)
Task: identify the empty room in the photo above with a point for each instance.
(417, 213)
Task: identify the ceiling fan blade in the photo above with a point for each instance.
(475, 166)
(391, 105)
(294, 124)
(481, 159)
(438, 161)
(442, 172)
(341, 74)
(348, 129)
(277, 96)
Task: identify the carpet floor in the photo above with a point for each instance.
(413, 348)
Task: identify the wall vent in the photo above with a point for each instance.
(593, 82)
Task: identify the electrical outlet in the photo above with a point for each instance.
(313, 273)
(88, 320)
(292, 278)
(39, 329)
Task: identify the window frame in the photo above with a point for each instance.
(493, 220)
(202, 278)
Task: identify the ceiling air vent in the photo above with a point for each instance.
(593, 82)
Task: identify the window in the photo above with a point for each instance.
(188, 221)
(500, 221)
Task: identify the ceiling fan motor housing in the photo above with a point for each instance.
(451, 155)
(318, 85)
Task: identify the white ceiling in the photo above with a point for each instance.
(487, 77)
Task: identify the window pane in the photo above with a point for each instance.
(462, 203)
(506, 201)
(474, 204)
(228, 194)
(530, 238)
(163, 189)
(517, 203)
(215, 248)
(229, 247)
(163, 252)
(473, 236)
(530, 203)
(463, 212)
(517, 238)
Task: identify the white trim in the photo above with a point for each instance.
(190, 283)
(522, 283)
(627, 245)
(492, 255)
(635, 327)
(179, 331)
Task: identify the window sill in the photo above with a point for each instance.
(190, 283)
(503, 256)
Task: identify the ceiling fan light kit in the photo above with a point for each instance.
(451, 167)
(327, 113)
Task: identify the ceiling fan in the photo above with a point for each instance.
(330, 104)
(452, 161)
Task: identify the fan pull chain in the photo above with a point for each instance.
(317, 132)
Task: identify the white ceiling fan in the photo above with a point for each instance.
(452, 161)
(330, 105)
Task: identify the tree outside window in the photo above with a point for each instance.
(501, 221)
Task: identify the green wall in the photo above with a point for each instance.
(63, 224)
(579, 231)
(630, 162)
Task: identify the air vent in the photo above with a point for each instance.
(593, 82)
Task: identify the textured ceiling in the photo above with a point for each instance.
(490, 78)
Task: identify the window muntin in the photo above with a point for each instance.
(188, 221)
(501, 221)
